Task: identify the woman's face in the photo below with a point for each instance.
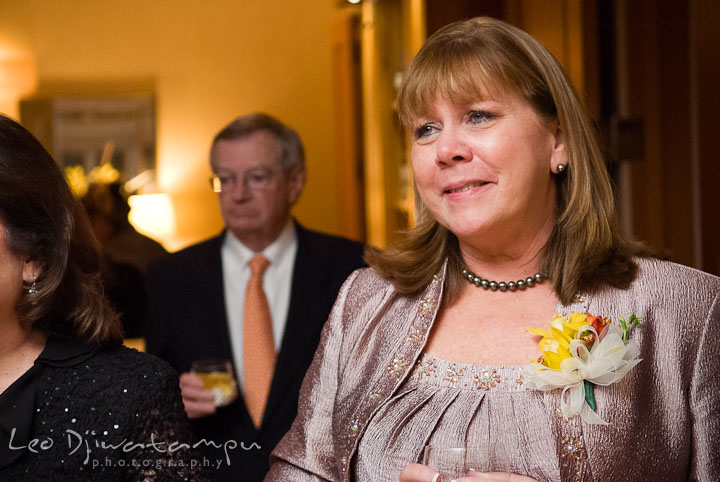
(483, 169)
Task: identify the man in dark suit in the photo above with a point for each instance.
(199, 297)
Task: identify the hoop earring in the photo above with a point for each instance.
(561, 168)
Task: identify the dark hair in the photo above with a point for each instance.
(292, 153)
(468, 60)
(45, 223)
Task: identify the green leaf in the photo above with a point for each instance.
(634, 322)
(589, 394)
(624, 326)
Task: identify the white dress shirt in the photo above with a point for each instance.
(277, 282)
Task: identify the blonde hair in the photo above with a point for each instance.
(483, 56)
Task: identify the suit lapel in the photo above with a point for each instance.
(216, 300)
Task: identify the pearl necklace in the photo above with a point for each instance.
(528, 282)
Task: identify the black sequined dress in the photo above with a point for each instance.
(85, 414)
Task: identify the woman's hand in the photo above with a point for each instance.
(198, 401)
(423, 473)
(499, 476)
(418, 473)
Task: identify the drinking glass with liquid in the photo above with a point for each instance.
(217, 375)
(455, 462)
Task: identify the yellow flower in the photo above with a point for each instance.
(555, 343)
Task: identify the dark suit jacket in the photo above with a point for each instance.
(187, 322)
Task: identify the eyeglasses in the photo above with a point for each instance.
(252, 179)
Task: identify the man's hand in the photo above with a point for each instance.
(198, 401)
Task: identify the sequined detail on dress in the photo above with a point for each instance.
(353, 428)
(415, 336)
(487, 380)
(570, 448)
(397, 367)
(419, 328)
(426, 306)
(465, 376)
(452, 374)
(423, 368)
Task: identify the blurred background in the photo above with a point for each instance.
(133, 92)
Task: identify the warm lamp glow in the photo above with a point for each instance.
(152, 215)
(18, 76)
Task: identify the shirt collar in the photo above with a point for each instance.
(242, 254)
(65, 352)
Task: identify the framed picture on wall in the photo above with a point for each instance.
(85, 133)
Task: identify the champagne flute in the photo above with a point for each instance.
(456, 462)
(217, 375)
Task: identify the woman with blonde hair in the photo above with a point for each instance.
(515, 314)
(74, 403)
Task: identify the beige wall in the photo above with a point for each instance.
(207, 61)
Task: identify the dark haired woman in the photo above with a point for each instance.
(74, 403)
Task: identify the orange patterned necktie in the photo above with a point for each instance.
(258, 344)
